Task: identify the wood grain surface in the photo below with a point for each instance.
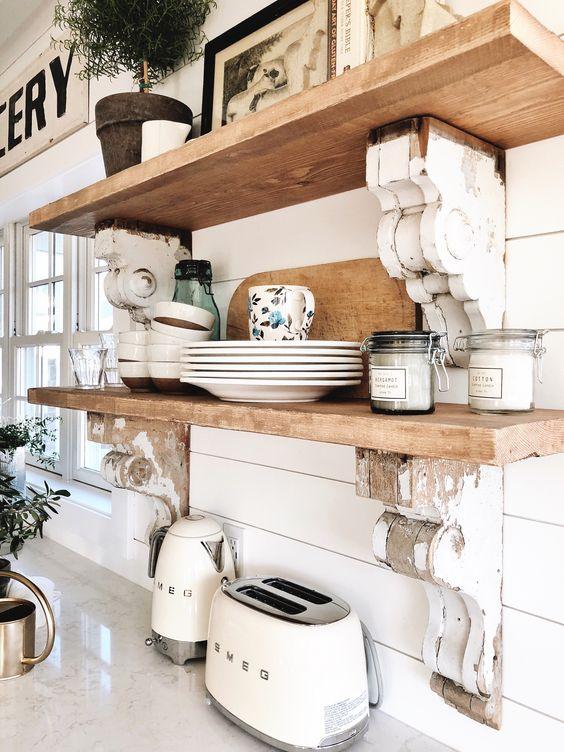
(497, 75)
(452, 432)
(352, 299)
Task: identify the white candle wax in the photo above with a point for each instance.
(501, 380)
(401, 382)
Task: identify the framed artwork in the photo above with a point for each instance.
(277, 52)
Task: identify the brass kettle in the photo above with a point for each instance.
(17, 630)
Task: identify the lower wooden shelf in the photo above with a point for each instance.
(452, 432)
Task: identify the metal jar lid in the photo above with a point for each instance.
(417, 340)
(199, 269)
(501, 339)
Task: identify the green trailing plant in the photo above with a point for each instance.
(148, 38)
(22, 516)
(32, 433)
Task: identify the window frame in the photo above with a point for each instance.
(78, 316)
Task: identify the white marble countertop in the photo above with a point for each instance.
(103, 690)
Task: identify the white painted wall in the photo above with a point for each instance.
(296, 499)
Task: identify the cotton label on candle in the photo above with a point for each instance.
(485, 382)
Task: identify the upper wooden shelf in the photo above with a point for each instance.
(498, 75)
(452, 432)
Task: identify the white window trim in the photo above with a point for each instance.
(88, 497)
(79, 275)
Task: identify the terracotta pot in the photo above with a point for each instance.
(119, 119)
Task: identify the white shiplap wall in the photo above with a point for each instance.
(295, 499)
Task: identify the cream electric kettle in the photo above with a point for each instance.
(17, 630)
(188, 561)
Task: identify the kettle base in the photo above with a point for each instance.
(177, 650)
(353, 734)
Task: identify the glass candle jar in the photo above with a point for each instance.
(501, 369)
(403, 370)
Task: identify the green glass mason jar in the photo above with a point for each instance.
(194, 287)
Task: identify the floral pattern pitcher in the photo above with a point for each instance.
(280, 312)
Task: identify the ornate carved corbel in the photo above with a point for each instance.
(443, 525)
(442, 194)
(141, 260)
(149, 456)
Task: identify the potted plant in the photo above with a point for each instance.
(20, 434)
(149, 39)
(22, 515)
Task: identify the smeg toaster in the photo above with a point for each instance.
(290, 664)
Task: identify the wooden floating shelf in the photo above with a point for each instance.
(498, 74)
(452, 432)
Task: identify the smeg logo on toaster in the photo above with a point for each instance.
(172, 590)
(245, 665)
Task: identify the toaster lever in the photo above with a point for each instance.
(373, 673)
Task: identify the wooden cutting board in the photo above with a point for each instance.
(352, 299)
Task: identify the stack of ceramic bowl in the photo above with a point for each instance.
(133, 366)
(284, 371)
(173, 326)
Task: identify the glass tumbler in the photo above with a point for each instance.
(111, 374)
(88, 364)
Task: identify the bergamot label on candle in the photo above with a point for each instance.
(388, 384)
(485, 382)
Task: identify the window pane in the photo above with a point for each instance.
(38, 309)
(37, 366)
(1, 315)
(58, 306)
(50, 370)
(1, 265)
(59, 254)
(39, 256)
(104, 313)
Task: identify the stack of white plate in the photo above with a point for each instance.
(293, 371)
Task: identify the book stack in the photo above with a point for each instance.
(360, 30)
(351, 35)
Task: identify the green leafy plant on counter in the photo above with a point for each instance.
(147, 38)
(32, 433)
(22, 516)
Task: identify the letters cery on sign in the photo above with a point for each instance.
(46, 103)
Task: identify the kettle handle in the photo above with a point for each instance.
(155, 543)
(47, 610)
(373, 672)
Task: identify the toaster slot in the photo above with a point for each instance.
(292, 588)
(270, 599)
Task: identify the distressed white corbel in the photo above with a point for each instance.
(141, 261)
(148, 456)
(442, 195)
(443, 525)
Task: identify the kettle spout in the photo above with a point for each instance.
(214, 550)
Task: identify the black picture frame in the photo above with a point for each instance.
(253, 23)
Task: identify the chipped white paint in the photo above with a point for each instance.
(443, 226)
(149, 457)
(443, 524)
(141, 267)
(158, 484)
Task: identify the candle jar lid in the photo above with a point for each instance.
(503, 339)
(417, 341)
